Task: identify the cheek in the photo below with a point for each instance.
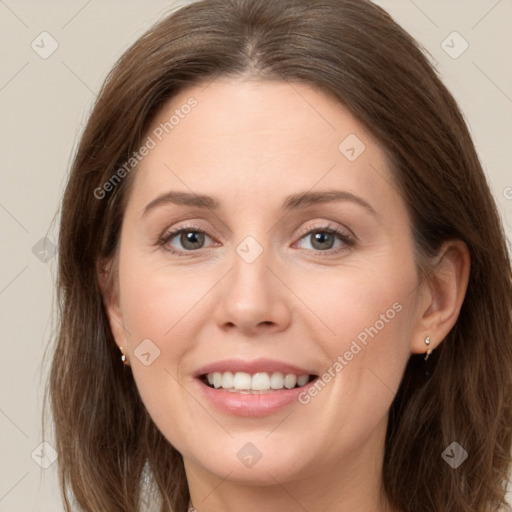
(165, 310)
(158, 302)
(363, 305)
(370, 321)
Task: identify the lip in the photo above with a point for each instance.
(247, 404)
(253, 366)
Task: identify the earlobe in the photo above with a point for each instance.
(446, 285)
(124, 357)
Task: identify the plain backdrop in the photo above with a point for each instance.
(44, 103)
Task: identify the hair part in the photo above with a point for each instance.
(354, 51)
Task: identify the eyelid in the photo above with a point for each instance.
(327, 225)
(348, 240)
(173, 232)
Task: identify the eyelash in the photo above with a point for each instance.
(330, 229)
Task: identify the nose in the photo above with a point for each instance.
(253, 298)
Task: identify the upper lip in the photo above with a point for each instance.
(252, 366)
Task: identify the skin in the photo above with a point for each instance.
(249, 144)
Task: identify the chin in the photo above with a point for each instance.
(252, 460)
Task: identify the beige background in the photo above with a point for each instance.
(44, 105)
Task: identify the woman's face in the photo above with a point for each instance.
(296, 269)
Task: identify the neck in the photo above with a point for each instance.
(287, 497)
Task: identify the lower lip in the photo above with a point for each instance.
(247, 404)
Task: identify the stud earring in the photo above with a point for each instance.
(123, 356)
(429, 351)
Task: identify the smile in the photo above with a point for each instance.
(260, 382)
(257, 387)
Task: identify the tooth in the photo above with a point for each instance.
(242, 380)
(260, 381)
(277, 380)
(217, 379)
(227, 380)
(290, 380)
(302, 380)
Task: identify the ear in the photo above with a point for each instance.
(444, 292)
(109, 285)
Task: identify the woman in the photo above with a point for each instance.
(212, 353)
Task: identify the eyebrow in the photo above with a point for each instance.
(292, 202)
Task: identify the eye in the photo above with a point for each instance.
(190, 239)
(323, 239)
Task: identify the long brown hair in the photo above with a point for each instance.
(351, 49)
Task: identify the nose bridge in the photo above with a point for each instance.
(249, 278)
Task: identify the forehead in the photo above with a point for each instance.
(262, 139)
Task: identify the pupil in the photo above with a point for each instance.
(321, 237)
(191, 237)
